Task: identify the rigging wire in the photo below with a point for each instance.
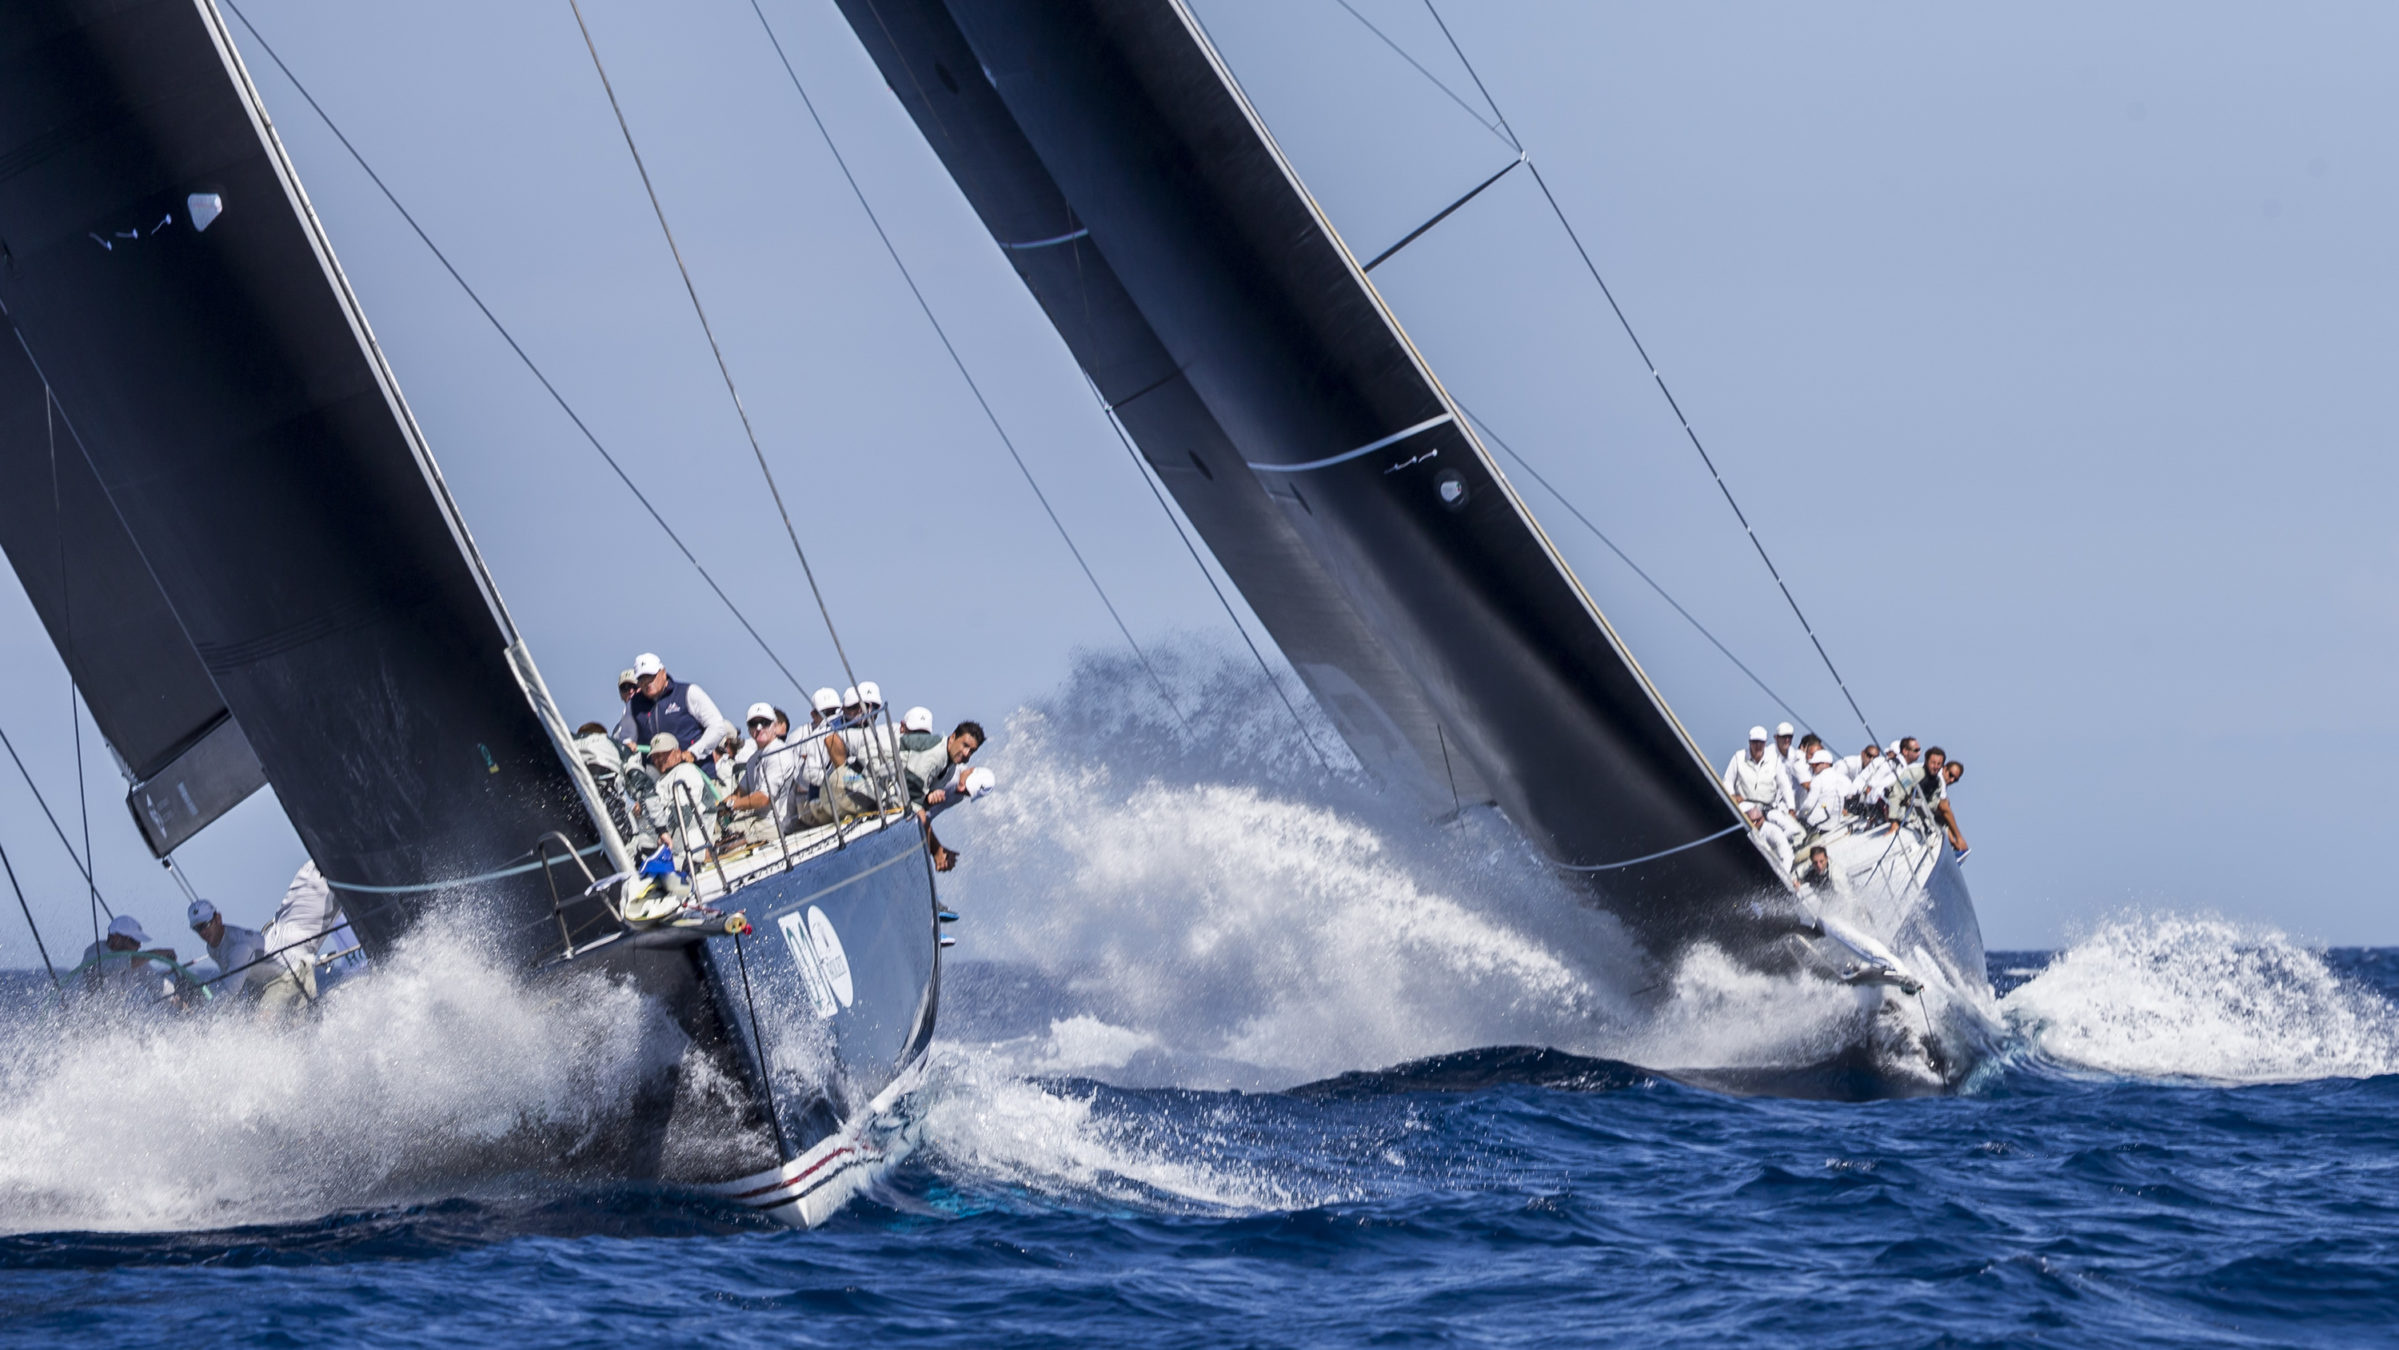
(35, 928)
(707, 329)
(1689, 431)
(514, 346)
(1626, 559)
(1454, 96)
(963, 373)
(52, 817)
(66, 613)
(1126, 440)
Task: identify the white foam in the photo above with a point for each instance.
(998, 1133)
(431, 1072)
(2198, 997)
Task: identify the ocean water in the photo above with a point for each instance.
(1237, 1059)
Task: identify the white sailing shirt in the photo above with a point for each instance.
(307, 914)
(1761, 780)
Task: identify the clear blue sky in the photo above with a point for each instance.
(2048, 349)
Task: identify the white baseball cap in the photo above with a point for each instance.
(918, 719)
(663, 742)
(977, 781)
(870, 692)
(200, 913)
(647, 664)
(758, 710)
(827, 699)
(849, 697)
(125, 925)
(1821, 757)
(626, 677)
(1757, 733)
(1782, 728)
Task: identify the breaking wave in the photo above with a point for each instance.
(436, 1069)
(2200, 998)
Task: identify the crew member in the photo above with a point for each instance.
(687, 800)
(930, 790)
(123, 962)
(916, 730)
(239, 952)
(1755, 775)
(306, 916)
(1828, 789)
(664, 705)
(770, 780)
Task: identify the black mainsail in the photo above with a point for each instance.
(1150, 213)
(213, 374)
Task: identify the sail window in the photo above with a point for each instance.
(1452, 489)
(204, 208)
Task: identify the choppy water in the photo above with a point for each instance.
(2191, 1141)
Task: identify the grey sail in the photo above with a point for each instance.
(183, 753)
(173, 288)
(1167, 238)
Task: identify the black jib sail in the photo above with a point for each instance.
(212, 370)
(1146, 207)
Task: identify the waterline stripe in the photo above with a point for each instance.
(1367, 449)
(1651, 857)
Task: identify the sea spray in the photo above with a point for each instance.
(435, 1071)
(2200, 997)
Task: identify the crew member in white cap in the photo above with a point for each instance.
(684, 810)
(870, 697)
(1782, 743)
(916, 729)
(235, 949)
(770, 779)
(1828, 790)
(123, 962)
(308, 914)
(684, 711)
(1755, 775)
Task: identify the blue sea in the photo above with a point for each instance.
(2193, 1141)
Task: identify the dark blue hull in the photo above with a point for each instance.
(832, 995)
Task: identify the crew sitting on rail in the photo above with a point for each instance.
(240, 953)
(768, 795)
(1802, 765)
(664, 705)
(684, 810)
(1828, 793)
(938, 779)
(1755, 777)
(307, 915)
(123, 963)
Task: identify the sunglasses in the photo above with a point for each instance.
(757, 722)
(627, 685)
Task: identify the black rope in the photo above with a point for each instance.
(1460, 52)
(719, 352)
(35, 928)
(1626, 559)
(514, 346)
(1688, 431)
(1413, 235)
(963, 372)
(1210, 577)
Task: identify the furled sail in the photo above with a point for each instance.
(182, 751)
(174, 289)
(1146, 207)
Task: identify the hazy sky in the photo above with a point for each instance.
(2048, 349)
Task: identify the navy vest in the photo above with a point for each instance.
(666, 713)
